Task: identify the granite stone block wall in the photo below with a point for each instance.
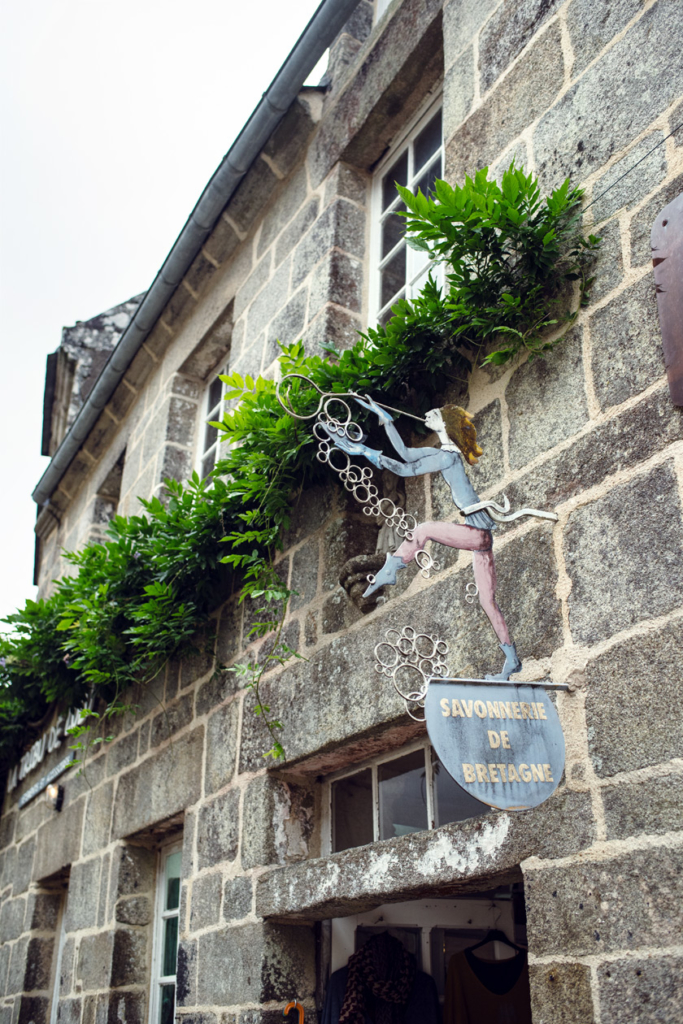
(593, 600)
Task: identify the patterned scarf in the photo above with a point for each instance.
(380, 982)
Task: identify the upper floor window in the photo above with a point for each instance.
(392, 796)
(399, 271)
(212, 411)
(165, 956)
(380, 8)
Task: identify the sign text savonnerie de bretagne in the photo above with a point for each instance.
(500, 742)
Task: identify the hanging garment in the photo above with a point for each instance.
(381, 985)
(482, 991)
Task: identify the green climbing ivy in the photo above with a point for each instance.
(516, 268)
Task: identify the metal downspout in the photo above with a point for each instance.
(322, 29)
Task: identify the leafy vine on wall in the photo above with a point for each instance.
(516, 269)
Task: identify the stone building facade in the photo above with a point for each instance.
(574, 87)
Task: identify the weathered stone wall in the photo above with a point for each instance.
(576, 88)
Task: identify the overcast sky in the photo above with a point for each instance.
(113, 118)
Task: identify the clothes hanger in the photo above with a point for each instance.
(496, 935)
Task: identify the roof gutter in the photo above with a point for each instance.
(322, 29)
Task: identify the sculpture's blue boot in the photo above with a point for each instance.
(512, 663)
(386, 575)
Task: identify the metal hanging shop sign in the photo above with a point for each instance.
(501, 742)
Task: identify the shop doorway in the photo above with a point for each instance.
(480, 936)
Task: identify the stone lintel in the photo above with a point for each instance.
(396, 69)
(467, 856)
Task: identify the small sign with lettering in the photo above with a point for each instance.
(501, 742)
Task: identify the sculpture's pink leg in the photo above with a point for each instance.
(465, 538)
(453, 535)
(485, 578)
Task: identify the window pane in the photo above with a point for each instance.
(215, 392)
(210, 436)
(352, 811)
(393, 276)
(421, 279)
(402, 795)
(397, 173)
(426, 181)
(386, 316)
(451, 801)
(169, 959)
(208, 463)
(173, 864)
(167, 1004)
(428, 141)
(392, 231)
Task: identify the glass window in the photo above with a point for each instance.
(166, 937)
(402, 786)
(451, 801)
(380, 8)
(395, 796)
(352, 817)
(403, 271)
(213, 410)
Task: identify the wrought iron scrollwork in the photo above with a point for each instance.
(357, 479)
(426, 563)
(410, 659)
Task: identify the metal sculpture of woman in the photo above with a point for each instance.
(458, 442)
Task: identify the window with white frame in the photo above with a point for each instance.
(380, 8)
(61, 942)
(393, 795)
(212, 411)
(399, 271)
(166, 922)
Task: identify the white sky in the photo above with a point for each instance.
(113, 117)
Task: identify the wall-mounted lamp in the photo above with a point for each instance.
(54, 794)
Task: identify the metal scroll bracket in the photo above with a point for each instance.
(498, 682)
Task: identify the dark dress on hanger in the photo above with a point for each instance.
(480, 991)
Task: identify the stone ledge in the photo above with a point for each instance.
(393, 73)
(455, 859)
